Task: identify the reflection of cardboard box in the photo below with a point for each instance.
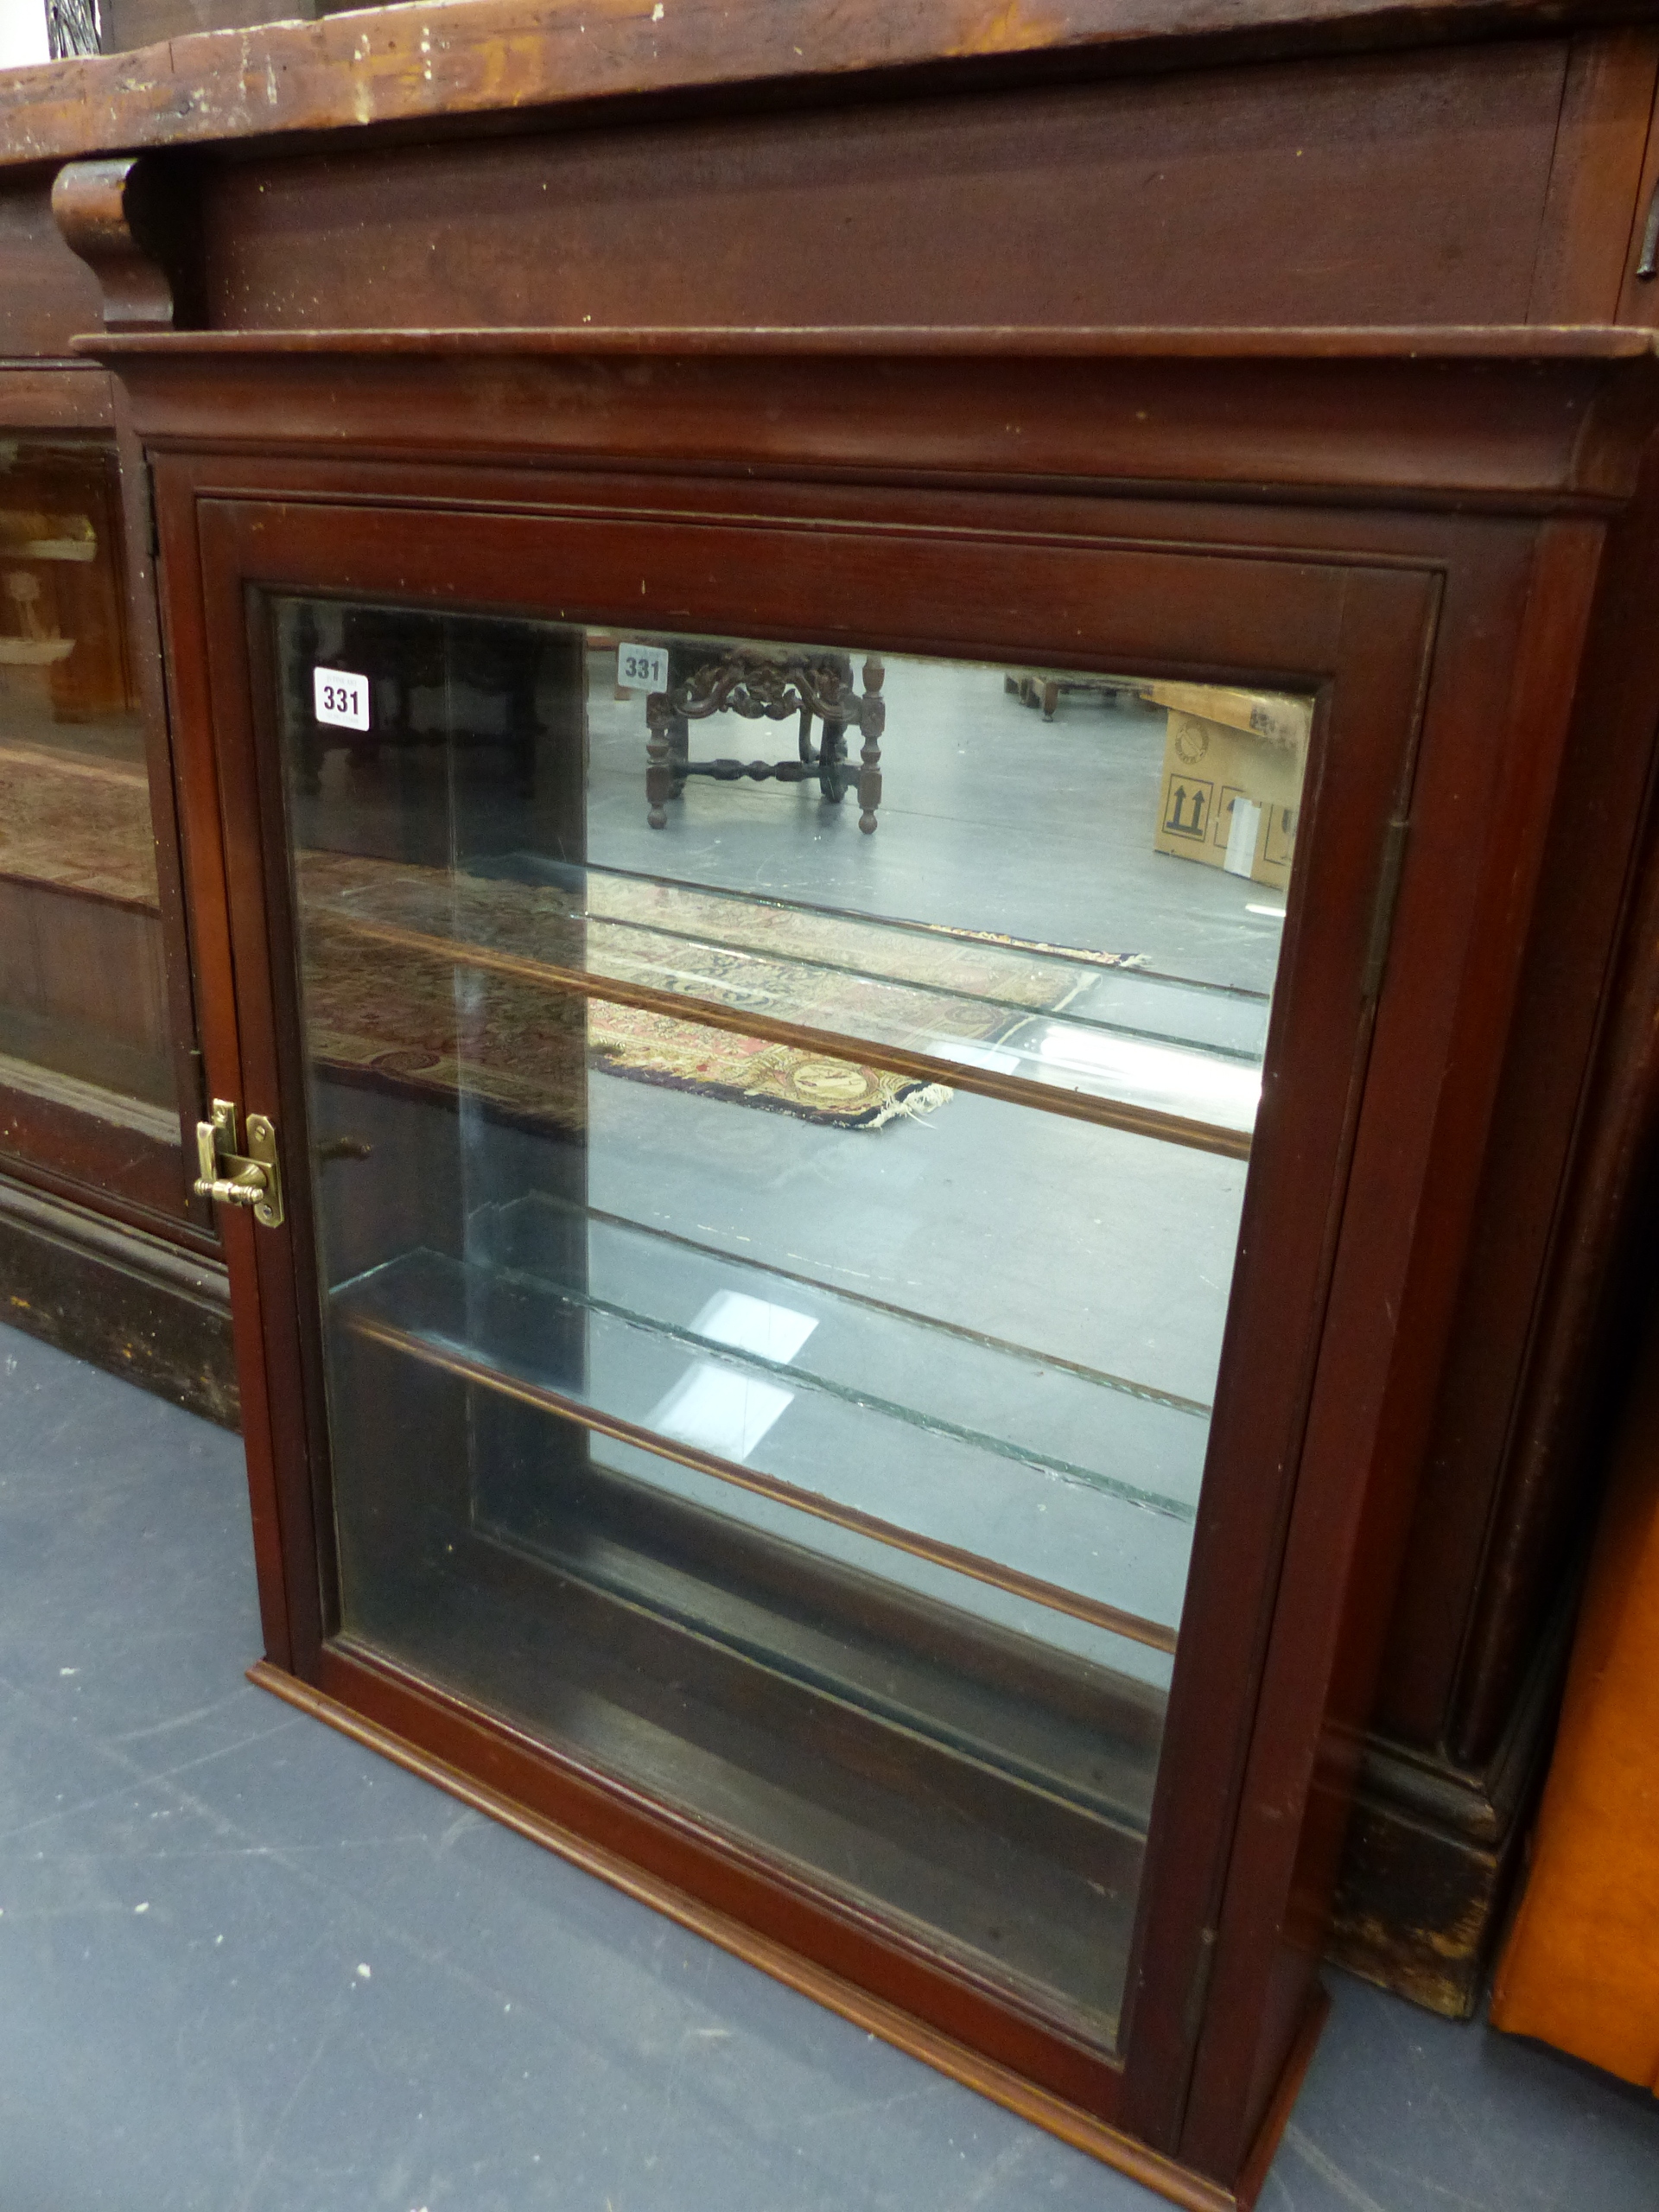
(1232, 779)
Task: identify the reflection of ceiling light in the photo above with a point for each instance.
(971, 1055)
(774, 1332)
(1154, 1075)
(1118, 1067)
(1273, 913)
(718, 1409)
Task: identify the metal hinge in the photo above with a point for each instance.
(1387, 891)
(1198, 1992)
(145, 484)
(233, 1179)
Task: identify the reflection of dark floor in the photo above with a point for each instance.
(245, 1963)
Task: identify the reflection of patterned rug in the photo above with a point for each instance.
(399, 1003)
(81, 824)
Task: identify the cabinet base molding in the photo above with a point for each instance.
(1000, 2083)
(1433, 1851)
(128, 1301)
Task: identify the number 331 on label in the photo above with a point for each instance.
(341, 698)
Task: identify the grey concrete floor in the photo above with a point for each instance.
(248, 1967)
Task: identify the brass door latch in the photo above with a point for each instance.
(230, 1178)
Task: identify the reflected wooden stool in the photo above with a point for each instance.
(769, 687)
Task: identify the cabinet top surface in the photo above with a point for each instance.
(494, 61)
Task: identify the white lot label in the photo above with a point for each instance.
(340, 697)
(642, 668)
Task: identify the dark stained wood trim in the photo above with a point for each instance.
(511, 62)
(1192, 1946)
(1511, 1472)
(1638, 298)
(1594, 1298)
(1337, 1628)
(130, 1302)
(1523, 341)
(202, 861)
(1253, 2172)
(144, 629)
(90, 1191)
(56, 396)
(132, 220)
(1432, 1850)
(1399, 415)
(1600, 145)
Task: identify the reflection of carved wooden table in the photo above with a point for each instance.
(768, 686)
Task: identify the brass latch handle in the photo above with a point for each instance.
(228, 1177)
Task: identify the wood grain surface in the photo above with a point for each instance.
(501, 58)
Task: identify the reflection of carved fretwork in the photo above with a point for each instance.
(768, 687)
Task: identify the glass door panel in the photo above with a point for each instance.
(777, 1216)
(83, 1004)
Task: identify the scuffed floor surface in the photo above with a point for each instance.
(247, 1967)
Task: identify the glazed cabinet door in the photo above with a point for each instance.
(93, 1027)
(813, 1053)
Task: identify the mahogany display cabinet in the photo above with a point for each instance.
(846, 1335)
(491, 169)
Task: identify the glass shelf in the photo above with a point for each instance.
(827, 1407)
(1013, 1021)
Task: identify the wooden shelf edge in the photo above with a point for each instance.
(998, 2083)
(1428, 343)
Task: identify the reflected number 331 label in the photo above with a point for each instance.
(341, 698)
(642, 668)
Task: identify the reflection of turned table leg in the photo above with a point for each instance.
(872, 721)
(658, 783)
